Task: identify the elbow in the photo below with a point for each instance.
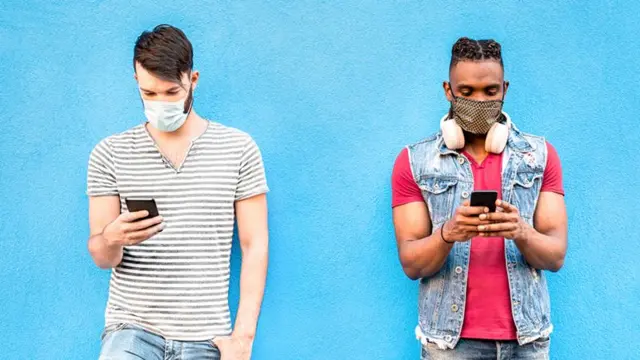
(411, 273)
(409, 270)
(556, 265)
(94, 250)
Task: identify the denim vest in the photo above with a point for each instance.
(446, 180)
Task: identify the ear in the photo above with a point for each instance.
(447, 90)
(506, 87)
(195, 76)
(135, 76)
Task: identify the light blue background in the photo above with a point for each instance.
(331, 93)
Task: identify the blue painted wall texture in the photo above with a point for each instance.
(331, 93)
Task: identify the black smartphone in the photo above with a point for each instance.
(143, 204)
(485, 198)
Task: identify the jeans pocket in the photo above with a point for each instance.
(111, 328)
(542, 343)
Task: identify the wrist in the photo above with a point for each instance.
(245, 339)
(243, 334)
(444, 236)
(525, 234)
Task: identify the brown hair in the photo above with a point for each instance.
(165, 52)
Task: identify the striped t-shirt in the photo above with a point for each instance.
(176, 283)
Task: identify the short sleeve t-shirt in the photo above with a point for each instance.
(176, 283)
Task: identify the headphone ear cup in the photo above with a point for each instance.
(452, 134)
(497, 138)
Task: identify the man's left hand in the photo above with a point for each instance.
(506, 223)
(234, 347)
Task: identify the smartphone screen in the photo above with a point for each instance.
(134, 205)
(485, 198)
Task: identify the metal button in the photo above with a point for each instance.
(516, 303)
(461, 160)
(454, 308)
(448, 338)
(458, 269)
(465, 194)
(436, 186)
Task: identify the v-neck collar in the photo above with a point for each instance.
(178, 169)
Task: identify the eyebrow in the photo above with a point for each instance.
(462, 85)
(175, 88)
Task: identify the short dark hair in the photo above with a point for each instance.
(466, 49)
(165, 52)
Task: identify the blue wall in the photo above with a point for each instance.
(331, 94)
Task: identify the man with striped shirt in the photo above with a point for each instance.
(168, 293)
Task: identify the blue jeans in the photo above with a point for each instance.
(128, 342)
(489, 350)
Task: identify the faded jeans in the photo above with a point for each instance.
(129, 342)
(489, 350)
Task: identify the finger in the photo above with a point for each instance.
(144, 224)
(461, 229)
(497, 217)
(502, 234)
(475, 221)
(506, 207)
(473, 210)
(133, 216)
(142, 235)
(505, 226)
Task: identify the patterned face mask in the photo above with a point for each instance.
(475, 116)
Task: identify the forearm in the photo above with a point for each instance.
(253, 275)
(424, 257)
(104, 256)
(541, 251)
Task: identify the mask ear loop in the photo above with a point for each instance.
(453, 97)
(502, 118)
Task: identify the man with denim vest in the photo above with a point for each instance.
(483, 292)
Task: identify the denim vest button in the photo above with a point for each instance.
(454, 308)
(461, 160)
(448, 338)
(458, 269)
(465, 194)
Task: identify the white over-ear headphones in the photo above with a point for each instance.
(496, 137)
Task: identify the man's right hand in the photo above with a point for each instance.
(127, 229)
(464, 223)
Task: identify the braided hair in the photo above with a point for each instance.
(466, 49)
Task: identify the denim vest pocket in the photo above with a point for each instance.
(526, 186)
(438, 193)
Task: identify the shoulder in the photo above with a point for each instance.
(426, 143)
(228, 133)
(114, 142)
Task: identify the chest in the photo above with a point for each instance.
(204, 182)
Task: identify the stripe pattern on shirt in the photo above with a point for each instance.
(176, 283)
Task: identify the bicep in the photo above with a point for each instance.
(550, 217)
(411, 221)
(102, 211)
(251, 215)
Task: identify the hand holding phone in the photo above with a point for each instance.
(133, 227)
(465, 221)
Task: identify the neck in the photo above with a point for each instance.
(474, 145)
(193, 127)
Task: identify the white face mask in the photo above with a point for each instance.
(166, 116)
